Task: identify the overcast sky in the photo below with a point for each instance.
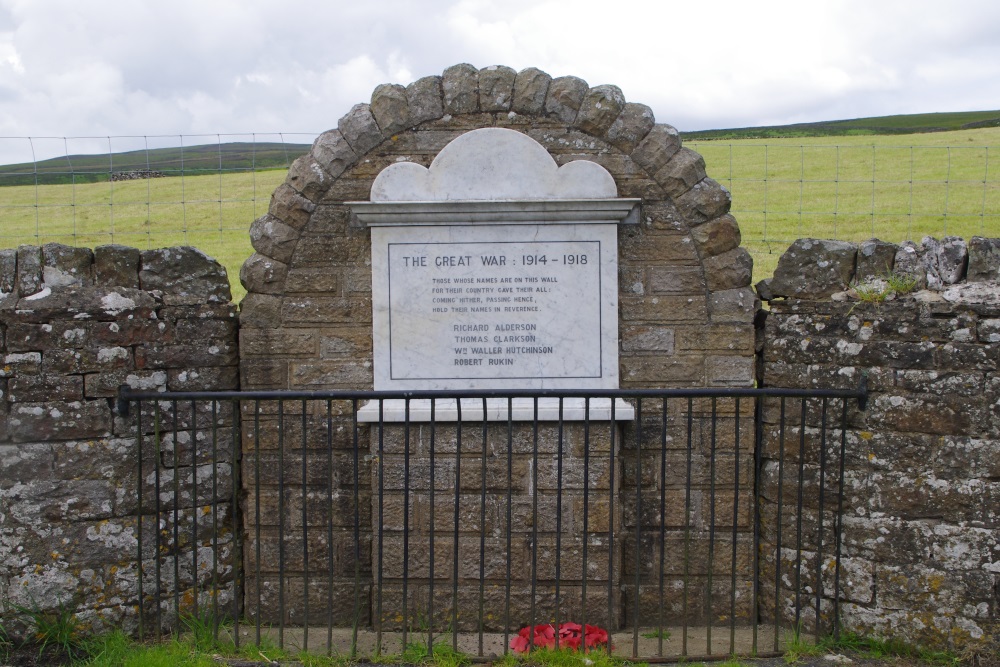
(72, 68)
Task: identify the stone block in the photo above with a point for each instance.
(87, 303)
(185, 275)
(496, 88)
(730, 371)
(564, 97)
(683, 171)
(662, 371)
(307, 177)
(8, 270)
(460, 89)
(632, 126)
(290, 207)
(531, 85)
(814, 269)
(733, 305)
(264, 374)
(423, 98)
(354, 374)
(273, 238)
(20, 363)
(663, 308)
(307, 280)
(599, 109)
(66, 266)
(717, 236)
(116, 266)
(29, 270)
(195, 354)
(647, 338)
(260, 310)
(212, 378)
(984, 260)
(656, 150)
(59, 420)
(705, 201)
(391, 108)
(355, 343)
(333, 153)
(325, 310)
(359, 129)
(948, 259)
(730, 270)
(263, 275)
(876, 259)
(44, 387)
(909, 262)
(669, 248)
(676, 280)
(278, 342)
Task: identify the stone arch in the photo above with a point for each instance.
(686, 309)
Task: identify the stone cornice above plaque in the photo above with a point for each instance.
(495, 175)
(551, 211)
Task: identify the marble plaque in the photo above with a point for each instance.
(495, 306)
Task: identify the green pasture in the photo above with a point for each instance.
(894, 187)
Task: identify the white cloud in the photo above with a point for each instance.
(69, 68)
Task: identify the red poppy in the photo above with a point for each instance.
(571, 636)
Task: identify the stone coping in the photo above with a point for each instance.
(446, 410)
(526, 212)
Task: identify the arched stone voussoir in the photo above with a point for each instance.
(599, 109)
(717, 236)
(271, 237)
(565, 96)
(333, 153)
(391, 108)
(655, 150)
(531, 85)
(705, 201)
(460, 89)
(290, 207)
(263, 275)
(632, 125)
(360, 129)
(308, 177)
(496, 88)
(681, 173)
(425, 100)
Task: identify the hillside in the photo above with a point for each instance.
(189, 161)
(879, 125)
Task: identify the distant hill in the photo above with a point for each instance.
(905, 124)
(190, 161)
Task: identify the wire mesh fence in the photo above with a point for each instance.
(205, 190)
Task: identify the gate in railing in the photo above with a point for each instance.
(684, 523)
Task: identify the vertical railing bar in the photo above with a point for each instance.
(711, 529)
(303, 446)
(840, 520)
(281, 523)
(510, 495)
(534, 520)
(238, 573)
(663, 523)
(798, 520)
(406, 515)
(611, 519)
(458, 498)
(194, 516)
(256, 502)
(430, 537)
(356, 469)
(687, 524)
(329, 532)
(177, 521)
(586, 517)
(781, 494)
(482, 535)
(381, 522)
(736, 521)
(138, 520)
(758, 466)
(215, 515)
(638, 522)
(559, 485)
(157, 506)
(819, 523)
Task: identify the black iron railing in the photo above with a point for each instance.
(706, 524)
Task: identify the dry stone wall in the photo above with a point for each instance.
(74, 325)
(686, 308)
(921, 528)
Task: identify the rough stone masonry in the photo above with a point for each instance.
(75, 324)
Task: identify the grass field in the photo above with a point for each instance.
(895, 187)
